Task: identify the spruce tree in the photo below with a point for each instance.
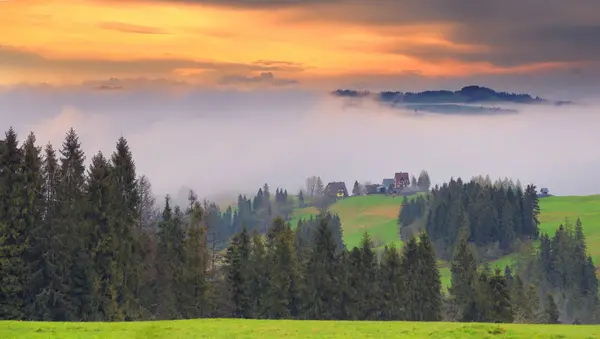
(194, 297)
(101, 201)
(430, 286)
(409, 266)
(168, 262)
(424, 182)
(321, 281)
(72, 209)
(369, 290)
(126, 214)
(551, 310)
(50, 281)
(501, 310)
(36, 233)
(14, 240)
(282, 297)
(238, 279)
(464, 277)
(392, 285)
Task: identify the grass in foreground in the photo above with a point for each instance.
(273, 329)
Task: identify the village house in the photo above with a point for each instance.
(544, 192)
(388, 184)
(401, 180)
(336, 189)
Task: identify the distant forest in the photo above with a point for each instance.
(466, 95)
(89, 244)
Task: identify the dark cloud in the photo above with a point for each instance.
(510, 32)
(130, 28)
(265, 78)
(18, 58)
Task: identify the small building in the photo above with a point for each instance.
(401, 180)
(544, 192)
(371, 189)
(337, 189)
(388, 183)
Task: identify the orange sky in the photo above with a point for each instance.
(78, 40)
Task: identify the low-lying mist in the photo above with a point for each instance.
(224, 143)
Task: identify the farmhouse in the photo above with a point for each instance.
(544, 192)
(401, 180)
(336, 189)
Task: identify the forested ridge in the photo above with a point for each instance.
(88, 244)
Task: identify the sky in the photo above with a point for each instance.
(241, 86)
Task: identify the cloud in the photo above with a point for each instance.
(503, 33)
(234, 141)
(130, 28)
(264, 79)
(13, 57)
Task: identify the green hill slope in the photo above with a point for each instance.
(378, 215)
(275, 329)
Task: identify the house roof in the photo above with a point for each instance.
(335, 186)
(401, 176)
(387, 182)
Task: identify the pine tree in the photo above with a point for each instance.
(551, 310)
(36, 234)
(258, 275)
(356, 188)
(128, 237)
(501, 310)
(72, 209)
(195, 300)
(321, 268)
(369, 302)
(301, 203)
(392, 285)
(430, 287)
(464, 277)
(282, 297)
(521, 308)
(14, 242)
(409, 267)
(50, 280)
(319, 187)
(101, 201)
(238, 279)
(424, 182)
(169, 259)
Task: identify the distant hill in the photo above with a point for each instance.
(450, 102)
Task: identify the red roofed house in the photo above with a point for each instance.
(401, 180)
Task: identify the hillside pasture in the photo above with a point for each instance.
(556, 209)
(276, 329)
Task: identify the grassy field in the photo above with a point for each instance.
(276, 329)
(378, 215)
(587, 208)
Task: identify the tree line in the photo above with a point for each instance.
(498, 216)
(85, 244)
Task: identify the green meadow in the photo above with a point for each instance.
(378, 215)
(277, 329)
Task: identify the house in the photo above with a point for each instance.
(336, 189)
(544, 192)
(372, 189)
(401, 180)
(388, 183)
